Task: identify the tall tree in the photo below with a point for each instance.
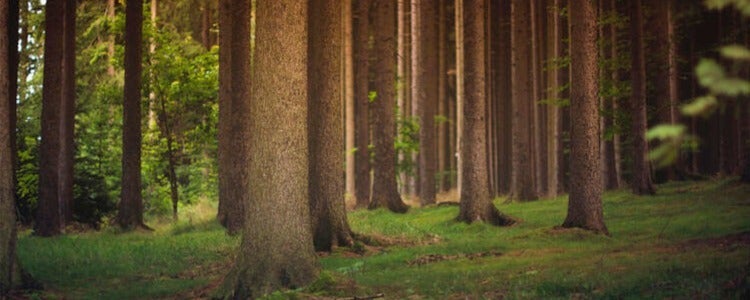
(459, 4)
(424, 90)
(67, 113)
(476, 204)
(585, 200)
(501, 90)
(385, 192)
(361, 73)
(554, 81)
(325, 130)
(665, 77)
(277, 249)
(111, 42)
(7, 194)
(49, 221)
(641, 182)
(348, 96)
(130, 214)
(522, 181)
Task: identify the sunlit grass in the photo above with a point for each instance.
(657, 250)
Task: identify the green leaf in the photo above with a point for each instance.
(736, 52)
(665, 132)
(709, 72)
(701, 106)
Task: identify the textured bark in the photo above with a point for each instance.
(7, 197)
(361, 91)
(585, 200)
(277, 249)
(67, 114)
(236, 116)
(130, 214)
(349, 100)
(476, 204)
(325, 131)
(385, 193)
(48, 217)
(641, 182)
(424, 90)
(522, 181)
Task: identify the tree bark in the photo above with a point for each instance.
(502, 91)
(476, 204)
(130, 214)
(443, 147)
(13, 64)
(67, 114)
(325, 131)
(361, 93)
(585, 200)
(49, 218)
(522, 182)
(424, 90)
(225, 112)
(385, 193)
(641, 181)
(277, 245)
(554, 82)
(349, 100)
(459, 9)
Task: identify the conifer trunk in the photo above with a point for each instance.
(362, 103)
(67, 114)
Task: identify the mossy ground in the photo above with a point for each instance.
(692, 240)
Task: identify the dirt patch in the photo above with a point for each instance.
(433, 258)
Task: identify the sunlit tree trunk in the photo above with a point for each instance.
(277, 244)
(476, 204)
(385, 192)
(325, 131)
(348, 96)
(130, 214)
(585, 200)
(362, 103)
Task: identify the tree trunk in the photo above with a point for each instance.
(554, 81)
(277, 249)
(13, 62)
(502, 91)
(361, 93)
(424, 90)
(403, 55)
(325, 131)
(349, 100)
(522, 182)
(7, 195)
(111, 42)
(226, 188)
(385, 193)
(443, 148)
(459, 9)
(130, 214)
(67, 114)
(641, 181)
(585, 200)
(662, 51)
(48, 218)
(615, 181)
(537, 134)
(206, 25)
(607, 145)
(476, 204)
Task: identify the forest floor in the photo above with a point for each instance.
(691, 240)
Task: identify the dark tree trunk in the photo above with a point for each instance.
(361, 92)
(206, 25)
(425, 63)
(665, 97)
(277, 245)
(385, 192)
(236, 114)
(476, 204)
(48, 217)
(585, 201)
(226, 186)
(641, 181)
(554, 81)
(502, 81)
(522, 183)
(13, 61)
(130, 214)
(67, 114)
(325, 131)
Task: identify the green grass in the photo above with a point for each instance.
(658, 249)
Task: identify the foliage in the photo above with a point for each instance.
(406, 143)
(673, 245)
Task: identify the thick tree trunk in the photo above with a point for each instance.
(325, 131)
(385, 193)
(424, 90)
(237, 86)
(67, 114)
(476, 204)
(362, 103)
(277, 249)
(48, 218)
(522, 182)
(641, 181)
(130, 214)
(585, 201)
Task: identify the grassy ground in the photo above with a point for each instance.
(690, 241)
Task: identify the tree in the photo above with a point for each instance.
(585, 200)
(130, 214)
(361, 73)
(7, 195)
(325, 130)
(49, 220)
(234, 71)
(277, 250)
(385, 192)
(476, 204)
(424, 36)
(522, 181)
(641, 183)
(67, 113)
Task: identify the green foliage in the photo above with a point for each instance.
(742, 6)
(406, 143)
